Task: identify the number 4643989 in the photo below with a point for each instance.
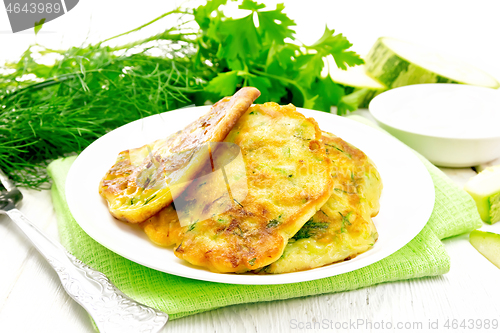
(34, 8)
(471, 324)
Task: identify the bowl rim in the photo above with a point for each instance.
(376, 114)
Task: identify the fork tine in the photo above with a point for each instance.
(6, 182)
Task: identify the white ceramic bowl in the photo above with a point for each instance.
(452, 125)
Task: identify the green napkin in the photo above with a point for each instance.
(454, 213)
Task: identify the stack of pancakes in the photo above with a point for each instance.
(249, 188)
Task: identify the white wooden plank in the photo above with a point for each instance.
(15, 249)
(38, 296)
(31, 296)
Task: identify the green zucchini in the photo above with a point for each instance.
(396, 63)
(355, 77)
(359, 87)
(488, 244)
(485, 190)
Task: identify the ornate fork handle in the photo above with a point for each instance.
(111, 310)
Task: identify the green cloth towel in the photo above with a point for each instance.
(454, 213)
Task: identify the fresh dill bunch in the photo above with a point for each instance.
(59, 110)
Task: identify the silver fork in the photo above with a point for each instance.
(111, 310)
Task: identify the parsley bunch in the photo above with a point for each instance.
(260, 50)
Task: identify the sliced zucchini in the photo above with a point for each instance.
(355, 77)
(488, 244)
(485, 190)
(360, 88)
(396, 63)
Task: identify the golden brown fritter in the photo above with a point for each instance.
(342, 228)
(288, 178)
(163, 228)
(140, 183)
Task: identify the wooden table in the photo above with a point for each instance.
(32, 299)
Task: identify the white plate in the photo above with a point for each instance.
(406, 203)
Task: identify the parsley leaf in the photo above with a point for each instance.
(202, 14)
(251, 5)
(264, 85)
(274, 25)
(329, 93)
(224, 84)
(337, 46)
(352, 101)
(240, 41)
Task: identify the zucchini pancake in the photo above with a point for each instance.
(288, 180)
(343, 227)
(278, 196)
(139, 184)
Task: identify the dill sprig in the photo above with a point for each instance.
(48, 112)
